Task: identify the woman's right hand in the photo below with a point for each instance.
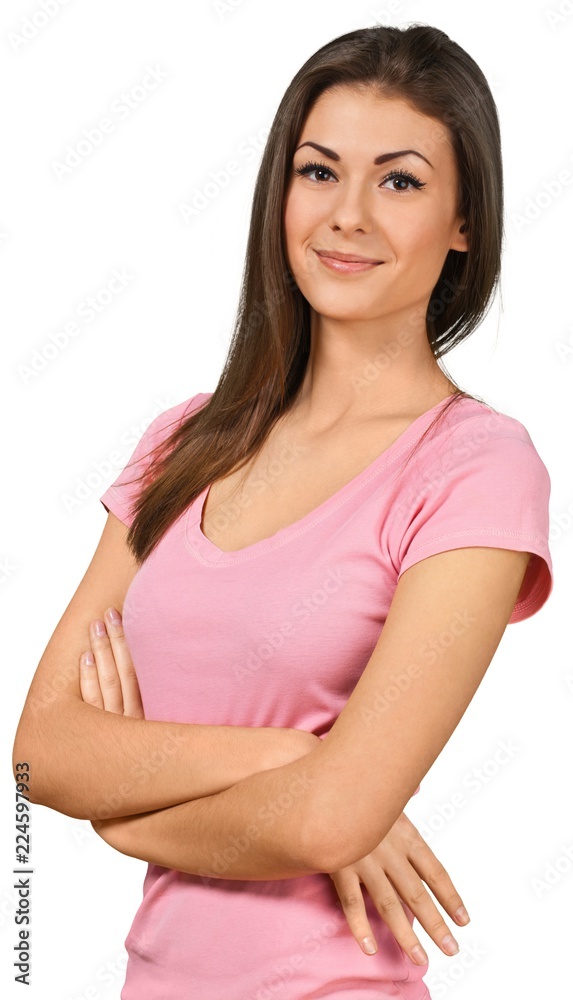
(394, 873)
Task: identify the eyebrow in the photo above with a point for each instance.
(383, 158)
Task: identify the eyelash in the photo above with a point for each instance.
(309, 167)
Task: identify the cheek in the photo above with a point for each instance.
(290, 224)
(421, 238)
(300, 218)
(297, 237)
(293, 223)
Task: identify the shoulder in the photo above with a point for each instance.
(469, 415)
(166, 421)
(477, 480)
(475, 455)
(473, 434)
(180, 411)
(120, 495)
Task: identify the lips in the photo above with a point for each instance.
(353, 258)
(341, 266)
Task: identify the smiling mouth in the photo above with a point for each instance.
(347, 258)
(347, 266)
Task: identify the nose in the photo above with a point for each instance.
(350, 209)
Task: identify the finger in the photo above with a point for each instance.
(132, 704)
(350, 894)
(89, 683)
(436, 877)
(414, 894)
(108, 676)
(388, 903)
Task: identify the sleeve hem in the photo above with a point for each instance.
(109, 500)
(476, 537)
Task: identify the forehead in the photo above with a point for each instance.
(364, 122)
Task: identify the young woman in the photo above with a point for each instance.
(304, 574)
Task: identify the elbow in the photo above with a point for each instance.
(323, 852)
(332, 843)
(112, 832)
(34, 775)
(325, 845)
(330, 854)
(327, 838)
(23, 755)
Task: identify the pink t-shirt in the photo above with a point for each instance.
(278, 634)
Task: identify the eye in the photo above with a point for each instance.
(310, 167)
(405, 175)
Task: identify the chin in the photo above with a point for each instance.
(345, 311)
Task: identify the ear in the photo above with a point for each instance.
(459, 239)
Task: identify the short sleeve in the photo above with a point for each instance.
(120, 496)
(484, 485)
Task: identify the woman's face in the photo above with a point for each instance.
(352, 205)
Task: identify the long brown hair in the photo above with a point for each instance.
(270, 344)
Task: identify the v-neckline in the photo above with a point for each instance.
(208, 552)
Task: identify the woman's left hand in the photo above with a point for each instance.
(392, 872)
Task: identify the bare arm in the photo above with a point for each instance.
(92, 764)
(335, 804)
(386, 873)
(251, 831)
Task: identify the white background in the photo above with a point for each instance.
(164, 338)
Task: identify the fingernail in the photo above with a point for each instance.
(369, 946)
(419, 955)
(461, 915)
(450, 946)
(113, 616)
(98, 628)
(88, 659)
